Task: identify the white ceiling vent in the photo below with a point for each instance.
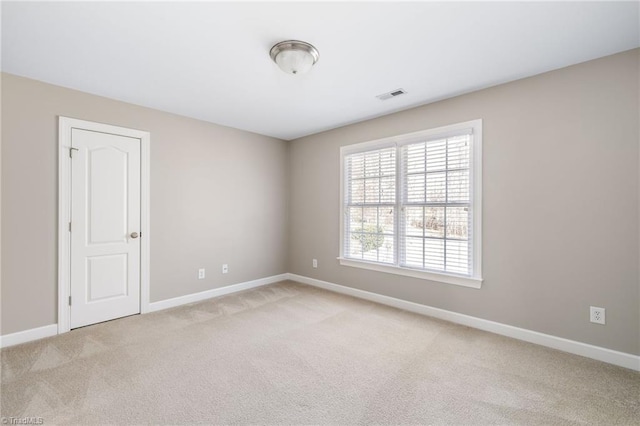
(391, 94)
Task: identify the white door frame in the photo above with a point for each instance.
(65, 125)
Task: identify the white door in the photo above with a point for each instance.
(105, 226)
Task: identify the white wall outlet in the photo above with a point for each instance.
(201, 273)
(315, 263)
(597, 315)
(225, 268)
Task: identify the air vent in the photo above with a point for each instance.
(391, 94)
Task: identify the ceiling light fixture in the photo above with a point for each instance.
(294, 56)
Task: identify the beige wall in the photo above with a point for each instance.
(560, 211)
(0, 203)
(218, 195)
(561, 201)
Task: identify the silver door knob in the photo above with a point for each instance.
(134, 235)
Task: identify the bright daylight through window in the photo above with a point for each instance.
(411, 205)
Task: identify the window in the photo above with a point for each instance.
(411, 204)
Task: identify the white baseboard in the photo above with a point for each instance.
(208, 294)
(28, 335)
(595, 352)
(590, 351)
(52, 330)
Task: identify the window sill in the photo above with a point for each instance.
(415, 273)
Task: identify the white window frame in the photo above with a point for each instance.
(475, 279)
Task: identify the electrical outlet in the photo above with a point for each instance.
(315, 263)
(225, 268)
(201, 273)
(597, 315)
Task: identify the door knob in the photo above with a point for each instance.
(134, 235)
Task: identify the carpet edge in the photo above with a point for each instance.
(598, 353)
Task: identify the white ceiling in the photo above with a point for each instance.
(211, 60)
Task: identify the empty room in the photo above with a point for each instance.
(320, 213)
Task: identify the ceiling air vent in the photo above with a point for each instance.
(391, 94)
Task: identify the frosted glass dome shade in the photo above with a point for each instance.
(294, 57)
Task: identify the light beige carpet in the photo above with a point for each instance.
(292, 354)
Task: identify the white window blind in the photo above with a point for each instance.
(413, 202)
(371, 204)
(436, 205)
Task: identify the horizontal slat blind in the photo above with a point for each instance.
(370, 202)
(414, 202)
(436, 205)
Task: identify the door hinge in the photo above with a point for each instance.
(69, 226)
(71, 151)
(69, 300)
